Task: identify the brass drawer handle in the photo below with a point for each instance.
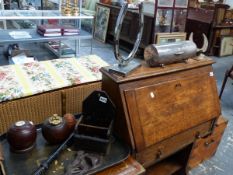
(207, 144)
(178, 85)
(158, 154)
(198, 135)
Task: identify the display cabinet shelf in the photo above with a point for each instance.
(5, 38)
(57, 53)
(38, 14)
(41, 15)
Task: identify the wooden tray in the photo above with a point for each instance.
(27, 163)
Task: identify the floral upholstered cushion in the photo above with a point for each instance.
(18, 81)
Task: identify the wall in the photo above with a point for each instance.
(229, 2)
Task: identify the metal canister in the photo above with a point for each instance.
(158, 55)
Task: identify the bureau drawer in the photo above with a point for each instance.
(171, 145)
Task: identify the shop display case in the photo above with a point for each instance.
(37, 17)
(170, 15)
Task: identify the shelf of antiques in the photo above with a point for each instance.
(51, 25)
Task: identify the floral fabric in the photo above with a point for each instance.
(18, 81)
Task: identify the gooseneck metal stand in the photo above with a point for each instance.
(126, 64)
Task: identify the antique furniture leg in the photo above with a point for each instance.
(227, 74)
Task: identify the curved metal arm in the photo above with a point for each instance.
(123, 61)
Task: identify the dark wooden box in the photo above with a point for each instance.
(94, 129)
(205, 148)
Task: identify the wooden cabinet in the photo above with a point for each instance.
(211, 21)
(216, 43)
(162, 110)
(129, 27)
(170, 16)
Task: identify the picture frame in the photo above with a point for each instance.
(165, 3)
(181, 3)
(101, 23)
(226, 47)
(164, 38)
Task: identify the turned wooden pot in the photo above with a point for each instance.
(55, 129)
(70, 121)
(21, 136)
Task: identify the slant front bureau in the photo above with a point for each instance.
(162, 110)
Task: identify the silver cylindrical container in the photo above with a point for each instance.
(158, 55)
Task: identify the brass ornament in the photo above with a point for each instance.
(75, 11)
(55, 120)
(67, 10)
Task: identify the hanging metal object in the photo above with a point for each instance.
(126, 64)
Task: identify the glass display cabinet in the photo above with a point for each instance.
(170, 15)
(42, 17)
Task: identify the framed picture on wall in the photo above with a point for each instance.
(164, 38)
(226, 47)
(165, 3)
(101, 23)
(181, 3)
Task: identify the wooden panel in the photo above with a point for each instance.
(220, 125)
(201, 15)
(169, 146)
(135, 120)
(205, 148)
(164, 168)
(177, 105)
(127, 167)
(122, 125)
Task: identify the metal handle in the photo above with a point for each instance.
(207, 144)
(159, 154)
(179, 53)
(178, 85)
(198, 135)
